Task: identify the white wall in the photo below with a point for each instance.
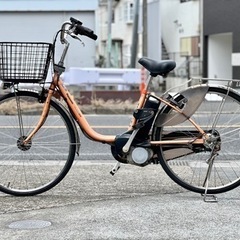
(178, 20)
(120, 29)
(48, 5)
(219, 56)
(42, 26)
(154, 31)
(123, 31)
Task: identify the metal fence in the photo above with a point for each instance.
(187, 66)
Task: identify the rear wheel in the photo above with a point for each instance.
(188, 165)
(33, 168)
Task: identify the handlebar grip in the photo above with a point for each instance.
(83, 30)
(75, 21)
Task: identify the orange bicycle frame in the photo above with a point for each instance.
(57, 85)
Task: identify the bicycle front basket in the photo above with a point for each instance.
(25, 62)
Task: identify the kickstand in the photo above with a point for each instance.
(115, 169)
(209, 197)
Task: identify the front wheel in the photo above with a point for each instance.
(188, 166)
(33, 168)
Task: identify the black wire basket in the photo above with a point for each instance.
(24, 62)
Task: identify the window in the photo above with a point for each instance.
(128, 12)
(189, 46)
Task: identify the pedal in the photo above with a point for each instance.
(115, 169)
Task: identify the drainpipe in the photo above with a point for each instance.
(134, 47)
(109, 40)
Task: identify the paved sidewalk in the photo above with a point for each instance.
(137, 203)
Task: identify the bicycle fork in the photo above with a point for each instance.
(20, 121)
(44, 114)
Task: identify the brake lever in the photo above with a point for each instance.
(75, 37)
(69, 32)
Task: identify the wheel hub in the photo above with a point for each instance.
(213, 141)
(23, 146)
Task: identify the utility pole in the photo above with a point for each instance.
(134, 47)
(109, 40)
(145, 29)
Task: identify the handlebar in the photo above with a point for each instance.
(79, 29)
(72, 28)
(75, 28)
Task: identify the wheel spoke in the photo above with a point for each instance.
(35, 167)
(224, 131)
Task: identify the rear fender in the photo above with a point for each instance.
(192, 97)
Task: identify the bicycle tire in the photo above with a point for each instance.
(190, 169)
(38, 167)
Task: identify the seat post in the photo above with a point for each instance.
(149, 79)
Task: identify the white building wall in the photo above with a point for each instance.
(219, 56)
(121, 29)
(40, 20)
(48, 5)
(179, 20)
(154, 30)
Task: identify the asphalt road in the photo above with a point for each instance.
(104, 124)
(137, 203)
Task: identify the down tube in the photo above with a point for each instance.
(81, 120)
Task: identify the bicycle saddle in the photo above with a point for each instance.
(155, 68)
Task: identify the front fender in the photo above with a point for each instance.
(78, 144)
